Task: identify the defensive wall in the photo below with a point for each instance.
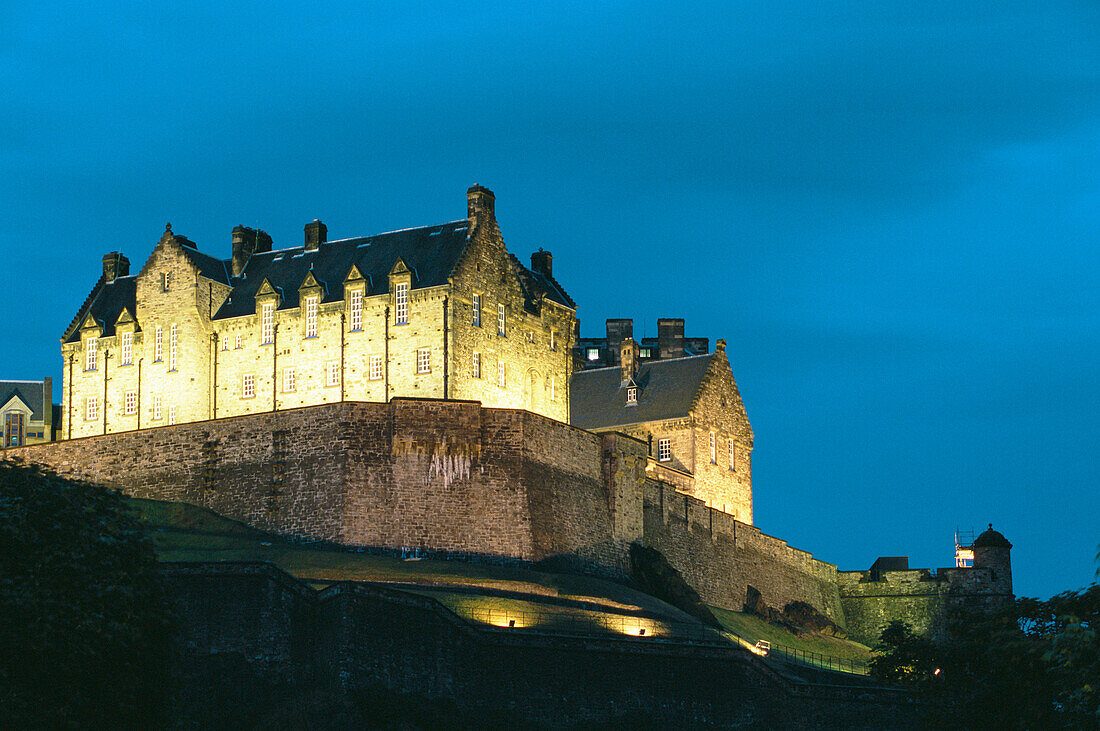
(919, 597)
(253, 631)
(450, 477)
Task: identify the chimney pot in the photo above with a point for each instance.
(316, 234)
(244, 246)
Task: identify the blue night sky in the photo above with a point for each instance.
(889, 210)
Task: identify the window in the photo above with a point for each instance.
(357, 310)
(288, 380)
(225, 342)
(733, 454)
(645, 353)
(166, 281)
(171, 414)
(376, 368)
(477, 365)
(593, 354)
(553, 340)
(131, 403)
(332, 373)
(501, 381)
(248, 386)
(713, 448)
(158, 345)
(91, 351)
(14, 429)
(127, 348)
(158, 406)
(311, 317)
(664, 450)
(173, 346)
(402, 303)
(238, 341)
(423, 360)
(477, 310)
(500, 319)
(91, 408)
(631, 395)
(267, 324)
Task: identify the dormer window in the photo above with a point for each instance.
(91, 348)
(267, 324)
(632, 396)
(402, 301)
(311, 317)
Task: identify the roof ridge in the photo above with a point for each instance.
(84, 307)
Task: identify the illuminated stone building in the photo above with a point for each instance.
(26, 412)
(687, 408)
(442, 312)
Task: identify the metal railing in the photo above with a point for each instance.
(782, 653)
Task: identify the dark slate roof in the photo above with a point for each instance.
(430, 252)
(106, 303)
(666, 390)
(534, 282)
(208, 266)
(991, 538)
(30, 392)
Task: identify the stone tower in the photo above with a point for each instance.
(991, 550)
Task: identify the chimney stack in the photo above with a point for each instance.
(628, 357)
(316, 234)
(543, 263)
(115, 265)
(480, 201)
(670, 337)
(244, 245)
(617, 331)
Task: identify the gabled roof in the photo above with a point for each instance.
(29, 392)
(535, 283)
(429, 252)
(208, 266)
(666, 390)
(105, 304)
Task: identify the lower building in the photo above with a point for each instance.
(27, 412)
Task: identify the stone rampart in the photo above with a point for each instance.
(721, 557)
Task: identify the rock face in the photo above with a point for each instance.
(657, 576)
(798, 616)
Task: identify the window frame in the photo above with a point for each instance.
(375, 367)
(631, 395)
(733, 455)
(158, 344)
(129, 400)
(475, 365)
(312, 306)
(91, 353)
(401, 304)
(267, 323)
(127, 349)
(476, 319)
(332, 373)
(91, 408)
(502, 374)
(290, 380)
(713, 448)
(355, 307)
(502, 321)
(158, 407)
(248, 385)
(173, 347)
(664, 449)
(423, 361)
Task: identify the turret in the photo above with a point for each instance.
(992, 550)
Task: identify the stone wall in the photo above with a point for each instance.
(721, 557)
(293, 643)
(919, 597)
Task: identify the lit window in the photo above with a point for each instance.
(357, 310)
(311, 317)
(593, 354)
(238, 341)
(288, 379)
(91, 351)
(477, 310)
(158, 345)
(158, 407)
(127, 348)
(267, 324)
(553, 340)
(500, 319)
(501, 381)
(631, 395)
(402, 303)
(376, 368)
(171, 414)
(131, 403)
(645, 353)
(332, 374)
(225, 342)
(713, 448)
(664, 450)
(477, 365)
(173, 347)
(423, 360)
(733, 454)
(91, 408)
(14, 428)
(166, 281)
(248, 386)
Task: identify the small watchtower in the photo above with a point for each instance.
(992, 550)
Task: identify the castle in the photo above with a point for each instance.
(424, 389)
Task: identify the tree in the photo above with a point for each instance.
(84, 627)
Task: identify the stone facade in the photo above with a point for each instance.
(186, 339)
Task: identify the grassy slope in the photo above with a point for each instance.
(491, 594)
